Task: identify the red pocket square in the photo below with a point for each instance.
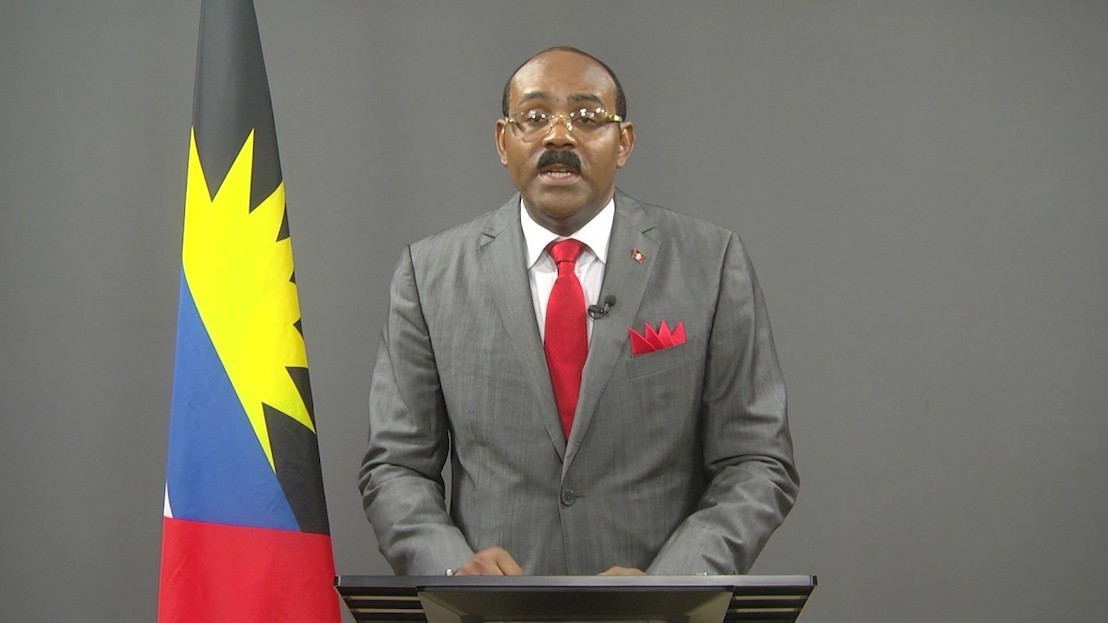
(651, 340)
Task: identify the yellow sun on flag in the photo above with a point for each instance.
(240, 276)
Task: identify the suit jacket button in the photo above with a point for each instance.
(568, 497)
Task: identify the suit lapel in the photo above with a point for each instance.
(501, 254)
(626, 279)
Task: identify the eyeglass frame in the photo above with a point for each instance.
(603, 116)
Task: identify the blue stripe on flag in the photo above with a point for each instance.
(217, 470)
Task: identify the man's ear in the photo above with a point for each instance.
(499, 131)
(626, 143)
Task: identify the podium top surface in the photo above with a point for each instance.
(476, 599)
(576, 582)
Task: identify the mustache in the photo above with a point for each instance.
(552, 157)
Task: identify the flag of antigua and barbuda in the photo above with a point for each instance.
(245, 532)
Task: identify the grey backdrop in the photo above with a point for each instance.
(921, 185)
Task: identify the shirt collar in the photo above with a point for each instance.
(594, 234)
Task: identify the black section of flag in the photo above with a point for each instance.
(284, 232)
(232, 98)
(303, 382)
(296, 457)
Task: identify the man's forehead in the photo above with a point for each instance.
(562, 75)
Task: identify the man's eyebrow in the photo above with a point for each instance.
(575, 97)
(534, 95)
(586, 97)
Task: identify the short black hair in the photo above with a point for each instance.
(621, 99)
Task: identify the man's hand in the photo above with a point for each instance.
(491, 561)
(618, 570)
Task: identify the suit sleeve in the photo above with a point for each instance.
(748, 456)
(401, 475)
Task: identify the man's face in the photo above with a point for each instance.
(558, 194)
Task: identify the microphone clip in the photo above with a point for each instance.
(596, 312)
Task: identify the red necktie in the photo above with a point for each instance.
(566, 337)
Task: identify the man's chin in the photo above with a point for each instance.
(558, 211)
(557, 200)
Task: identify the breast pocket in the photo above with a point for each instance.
(665, 359)
(661, 392)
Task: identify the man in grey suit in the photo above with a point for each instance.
(670, 452)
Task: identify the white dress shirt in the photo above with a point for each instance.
(542, 272)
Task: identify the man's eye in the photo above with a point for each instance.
(535, 119)
(585, 118)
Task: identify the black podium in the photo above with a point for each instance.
(676, 599)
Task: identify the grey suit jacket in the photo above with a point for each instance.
(679, 461)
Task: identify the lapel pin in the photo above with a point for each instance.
(637, 256)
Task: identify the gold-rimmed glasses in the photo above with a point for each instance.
(531, 124)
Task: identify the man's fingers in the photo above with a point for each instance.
(491, 561)
(507, 564)
(618, 570)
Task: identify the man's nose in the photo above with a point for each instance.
(560, 132)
